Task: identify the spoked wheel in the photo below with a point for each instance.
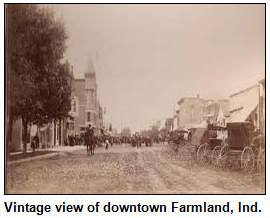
(201, 153)
(247, 160)
(261, 160)
(220, 161)
(216, 152)
(183, 144)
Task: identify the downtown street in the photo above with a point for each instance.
(123, 169)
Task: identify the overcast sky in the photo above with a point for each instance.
(153, 55)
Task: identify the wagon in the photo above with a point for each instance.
(197, 138)
(177, 139)
(240, 148)
(210, 149)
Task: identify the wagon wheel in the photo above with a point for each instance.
(224, 151)
(261, 160)
(201, 153)
(220, 161)
(216, 152)
(208, 153)
(247, 160)
(183, 143)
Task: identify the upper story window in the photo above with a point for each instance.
(88, 116)
(74, 106)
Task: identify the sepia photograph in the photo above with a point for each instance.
(135, 99)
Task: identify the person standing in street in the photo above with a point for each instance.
(89, 140)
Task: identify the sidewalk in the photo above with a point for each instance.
(43, 153)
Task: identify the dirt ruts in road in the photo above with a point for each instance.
(126, 170)
(156, 182)
(170, 174)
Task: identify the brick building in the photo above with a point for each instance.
(85, 105)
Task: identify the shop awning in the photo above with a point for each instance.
(242, 114)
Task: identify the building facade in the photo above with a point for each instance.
(216, 111)
(191, 111)
(169, 124)
(85, 105)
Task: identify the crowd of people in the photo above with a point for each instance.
(94, 138)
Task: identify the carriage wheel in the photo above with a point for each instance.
(216, 152)
(207, 153)
(183, 144)
(220, 159)
(201, 153)
(247, 160)
(261, 160)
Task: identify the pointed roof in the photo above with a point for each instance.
(90, 69)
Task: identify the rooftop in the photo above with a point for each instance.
(192, 99)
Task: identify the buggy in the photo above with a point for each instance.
(242, 148)
(209, 150)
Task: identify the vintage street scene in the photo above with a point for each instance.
(135, 99)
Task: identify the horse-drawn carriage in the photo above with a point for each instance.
(243, 148)
(212, 144)
(176, 139)
(188, 141)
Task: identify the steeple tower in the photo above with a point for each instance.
(90, 68)
(90, 76)
(90, 92)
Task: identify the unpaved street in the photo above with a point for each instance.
(126, 170)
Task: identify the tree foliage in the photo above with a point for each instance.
(39, 83)
(110, 127)
(126, 132)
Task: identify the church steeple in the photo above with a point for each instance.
(90, 81)
(90, 69)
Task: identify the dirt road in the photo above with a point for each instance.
(123, 169)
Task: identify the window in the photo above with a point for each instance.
(88, 116)
(74, 106)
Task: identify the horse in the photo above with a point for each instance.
(90, 147)
(90, 141)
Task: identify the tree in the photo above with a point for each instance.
(126, 132)
(110, 128)
(38, 83)
(154, 129)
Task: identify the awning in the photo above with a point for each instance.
(194, 125)
(242, 115)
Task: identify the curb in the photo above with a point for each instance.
(33, 158)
